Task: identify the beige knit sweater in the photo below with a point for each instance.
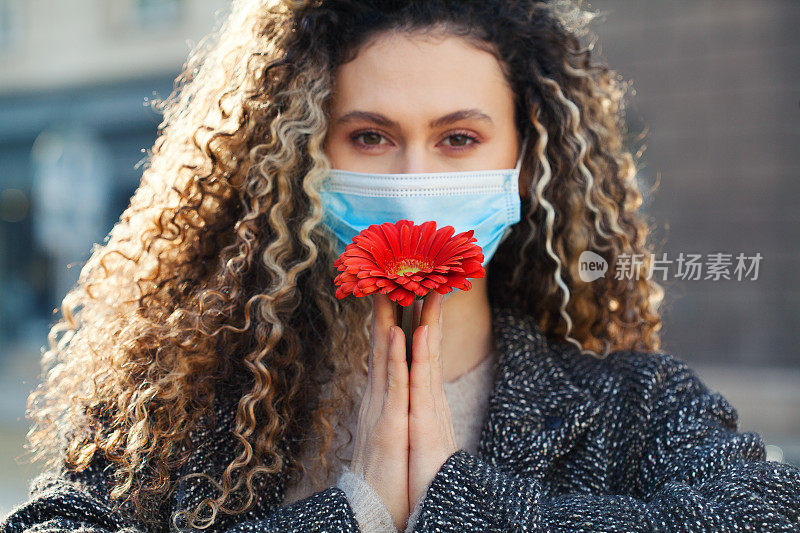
(467, 396)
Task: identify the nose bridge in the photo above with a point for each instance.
(416, 158)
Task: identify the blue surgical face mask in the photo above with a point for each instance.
(486, 201)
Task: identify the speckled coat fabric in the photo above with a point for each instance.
(633, 442)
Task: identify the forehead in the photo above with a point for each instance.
(416, 74)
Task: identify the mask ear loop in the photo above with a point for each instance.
(517, 169)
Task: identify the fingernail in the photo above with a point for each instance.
(391, 333)
(426, 331)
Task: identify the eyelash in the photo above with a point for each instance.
(458, 133)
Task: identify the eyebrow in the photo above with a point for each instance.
(377, 118)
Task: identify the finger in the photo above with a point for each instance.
(420, 374)
(417, 314)
(385, 310)
(382, 320)
(396, 401)
(432, 313)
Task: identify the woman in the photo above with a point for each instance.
(174, 403)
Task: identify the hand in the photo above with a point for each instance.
(380, 450)
(431, 439)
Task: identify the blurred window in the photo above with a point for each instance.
(157, 12)
(10, 23)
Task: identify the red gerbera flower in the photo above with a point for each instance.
(403, 260)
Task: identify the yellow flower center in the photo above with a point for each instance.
(408, 265)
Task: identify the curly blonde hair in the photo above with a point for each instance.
(219, 272)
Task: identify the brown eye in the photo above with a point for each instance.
(371, 138)
(367, 140)
(460, 140)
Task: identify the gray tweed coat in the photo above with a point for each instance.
(633, 442)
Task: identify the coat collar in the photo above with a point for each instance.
(535, 413)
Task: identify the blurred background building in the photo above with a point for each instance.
(716, 89)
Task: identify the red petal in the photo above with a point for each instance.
(405, 240)
(429, 283)
(416, 239)
(392, 234)
(442, 235)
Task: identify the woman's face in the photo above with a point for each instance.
(413, 103)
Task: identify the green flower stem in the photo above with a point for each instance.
(408, 331)
(404, 318)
